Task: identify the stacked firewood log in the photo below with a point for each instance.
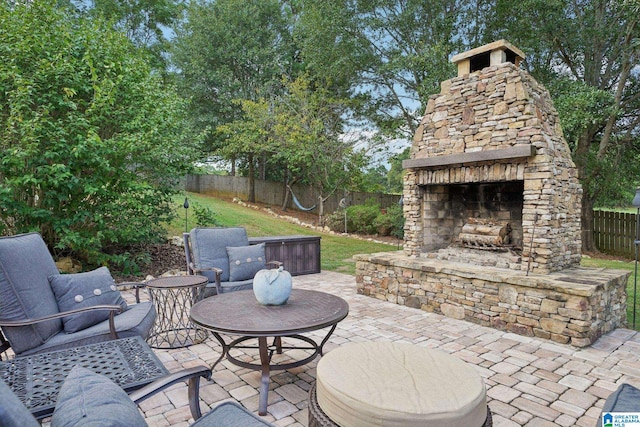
(485, 233)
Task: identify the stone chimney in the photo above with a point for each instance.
(491, 54)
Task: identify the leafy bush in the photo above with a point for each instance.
(369, 219)
(335, 221)
(205, 217)
(92, 142)
(396, 214)
(361, 218)
(390, 222)
(383, 224)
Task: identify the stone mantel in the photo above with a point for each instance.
(517, 152)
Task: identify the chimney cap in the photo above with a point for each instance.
(497, 45)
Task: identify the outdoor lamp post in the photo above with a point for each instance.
(636, 204)
(186, 209)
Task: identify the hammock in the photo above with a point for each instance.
(297, 202)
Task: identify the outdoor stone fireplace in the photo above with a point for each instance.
(492, 212)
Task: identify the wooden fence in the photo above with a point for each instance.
(614, 233)
(273, 193)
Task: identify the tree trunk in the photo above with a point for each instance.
(285, 182)
(263, 166)
(252, 180)
(586, 215)
(588, 243)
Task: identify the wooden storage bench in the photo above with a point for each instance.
(299, 254)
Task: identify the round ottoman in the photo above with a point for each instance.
(392, 384)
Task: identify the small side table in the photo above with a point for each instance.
(173, 297)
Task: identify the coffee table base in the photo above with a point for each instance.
(238, 314)
(266, 352)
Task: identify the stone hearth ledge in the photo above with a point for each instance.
(574, 306)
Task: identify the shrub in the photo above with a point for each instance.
(92, 142)
(383, 224)
(335, 221)
(361, 218)
(390, 222)
(396, 214)
(369, 219)
(205, 217)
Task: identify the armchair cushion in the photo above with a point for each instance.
(81, 290)
(625, 399)
(87, 398)
(210, 248)
(25, 267)
(245, 261)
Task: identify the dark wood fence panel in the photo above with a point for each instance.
(273, 193)
(614, 233)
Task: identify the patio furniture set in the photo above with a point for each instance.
(80, 350)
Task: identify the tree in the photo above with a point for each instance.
(587, 53)
(301, 134)
(308, 129)
(389, 54)
(147, 23)
(396, 173)
(247, 136)
(91, 144)
(230, 51)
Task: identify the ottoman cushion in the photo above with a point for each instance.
(394, 384)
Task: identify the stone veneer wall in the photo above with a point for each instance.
(575, 306)
(496, 108)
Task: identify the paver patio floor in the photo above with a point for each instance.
(530, 382)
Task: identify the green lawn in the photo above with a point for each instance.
(337, 251)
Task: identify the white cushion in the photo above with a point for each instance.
(391, 384)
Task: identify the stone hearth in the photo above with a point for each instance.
(574, 306)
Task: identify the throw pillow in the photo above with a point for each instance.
(81, 290)
(245, 261)
(87, 398)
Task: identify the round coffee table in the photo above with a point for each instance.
(173, 297)
(240, 314)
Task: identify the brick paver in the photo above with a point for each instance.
(530, 382)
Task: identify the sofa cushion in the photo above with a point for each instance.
(13, 413)
(209, 246)
(87, 398)
(87, 289)
(25, 267)
(245, 261)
